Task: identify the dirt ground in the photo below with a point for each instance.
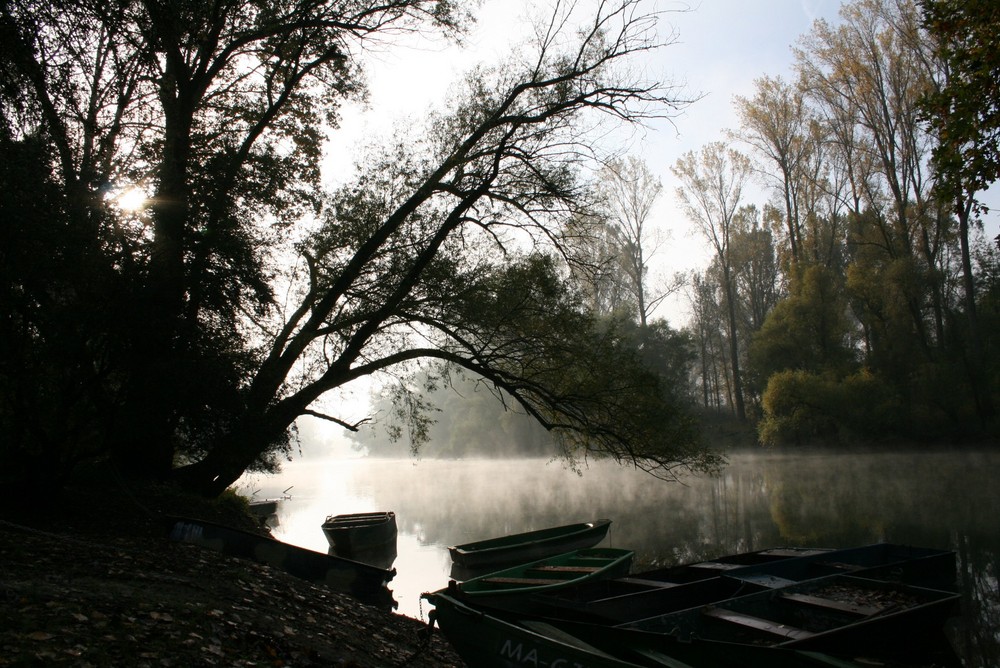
(93, 580)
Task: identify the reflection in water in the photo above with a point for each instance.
(939, 500)
(382, 556)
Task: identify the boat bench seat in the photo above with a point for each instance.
(784, 552)
(829, 604)
(716, 566)
(765, 625)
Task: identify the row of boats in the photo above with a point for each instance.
(882, 604)
(552, 598)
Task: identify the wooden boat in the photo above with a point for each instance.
(879, 623)
(548, 574)
(494, 640)
(357, 532)
(838, 614)
(382, 556)
(639, 595)
(363, 581)
(488, 641)
(529, 546)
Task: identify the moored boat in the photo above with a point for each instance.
(357, 532)
(789, 606)
(530, 545)
(838, 614)
(639, 595)
(495, 640)
(548, 574)
(264, 507)
(363, 581)
(488, 641)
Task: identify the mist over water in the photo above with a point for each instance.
(932, 499)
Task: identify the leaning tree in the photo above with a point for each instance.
(444, 248)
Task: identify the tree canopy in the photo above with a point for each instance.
(201, 325)
(965, 108)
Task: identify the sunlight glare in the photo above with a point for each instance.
(133, 199)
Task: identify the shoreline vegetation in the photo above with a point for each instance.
(90, 578)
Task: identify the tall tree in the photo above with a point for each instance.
(868, 81)
(963, 110)
(776, 122)
(758, 281)
(219, 111)
(706, 314)
(594, 258)
(711, 191)
(406, 266)
(627, 192)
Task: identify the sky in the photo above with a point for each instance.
(720, 47)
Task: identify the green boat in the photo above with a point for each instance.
(488, 640)
(529, 546)
(660, 591)
(544, 575)
(885, 621)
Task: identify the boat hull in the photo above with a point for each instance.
(359, 532)
(529, 546)
(363, 581)
(839, 614)
(488, 640)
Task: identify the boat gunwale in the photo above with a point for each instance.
(358, 520)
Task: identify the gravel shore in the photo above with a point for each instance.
(93, 581)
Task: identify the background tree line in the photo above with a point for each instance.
(861, 299)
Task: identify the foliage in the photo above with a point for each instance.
(965, 109)
(626, 192)
(808, 331)
(464, 418)
(445, 412)
(874, 229)
(51, 330)
(803, 407)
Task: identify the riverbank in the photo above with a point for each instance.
(90, 578)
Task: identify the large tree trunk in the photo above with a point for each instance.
(259, 430)
(977, 364)
(734, 349)
(224, 463)
(142, 441)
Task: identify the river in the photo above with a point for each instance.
(934, 499)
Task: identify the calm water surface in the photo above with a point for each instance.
(938, 499)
